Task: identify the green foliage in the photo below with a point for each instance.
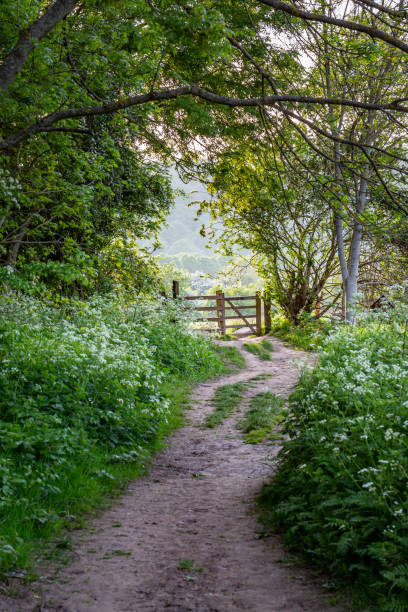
(86, 392)
(276, 219)
(264, 413)
(66, 194)
(309, 335)
(76, 239)
(340, 492)
(128, 269)
(226, 399)
(261, 349)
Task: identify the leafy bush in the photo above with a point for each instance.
(340, 491)
(82, 400)
(309, 335)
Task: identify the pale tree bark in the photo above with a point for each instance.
(355, 252)
(350, 264)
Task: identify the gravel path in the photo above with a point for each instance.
(195, 509)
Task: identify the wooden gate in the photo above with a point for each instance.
(231, 308)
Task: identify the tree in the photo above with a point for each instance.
(358, 168)
(279, 220)
(144, 46)
(70, 200)
(180, 78)
(360, 149)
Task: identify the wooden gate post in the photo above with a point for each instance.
(258, 304)
(267, 315)
(220, 303)
(176, 289)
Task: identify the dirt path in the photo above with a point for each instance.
(196, 504)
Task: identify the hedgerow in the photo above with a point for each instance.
(341, 488)
(84, 397)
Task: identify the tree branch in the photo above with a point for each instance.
(16, 58)
(170, 94)
(371, 31)
(384, 9)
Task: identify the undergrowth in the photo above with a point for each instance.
(226, 399)
(341, 489)
(309, 335)
(87, 391)
(261, 349)
(264, 413)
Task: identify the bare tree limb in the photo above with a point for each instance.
(355, 26)
(384, 9)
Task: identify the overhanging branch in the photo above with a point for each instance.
(46, 122)
(355, 26)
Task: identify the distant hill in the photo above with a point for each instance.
(185, 248)
(182, 232)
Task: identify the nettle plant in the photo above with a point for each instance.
(341, 490)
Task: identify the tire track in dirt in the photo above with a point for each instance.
(195, 505)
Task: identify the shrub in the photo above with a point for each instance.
(340, 492)
(309, 335)
(82, 393)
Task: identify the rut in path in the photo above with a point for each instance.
(195, 507)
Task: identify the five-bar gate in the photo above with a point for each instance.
(244, 310)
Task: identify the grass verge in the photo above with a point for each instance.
(86, 397)
(340, 489)
(227, 337)
(231, 356)
(259, 377)
(226, 399)
(264, 413)
(262, 349)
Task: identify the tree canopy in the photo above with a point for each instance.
(97, 96)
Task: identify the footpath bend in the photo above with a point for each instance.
(186, 537)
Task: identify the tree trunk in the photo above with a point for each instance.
(352, 278)
(355, 251)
